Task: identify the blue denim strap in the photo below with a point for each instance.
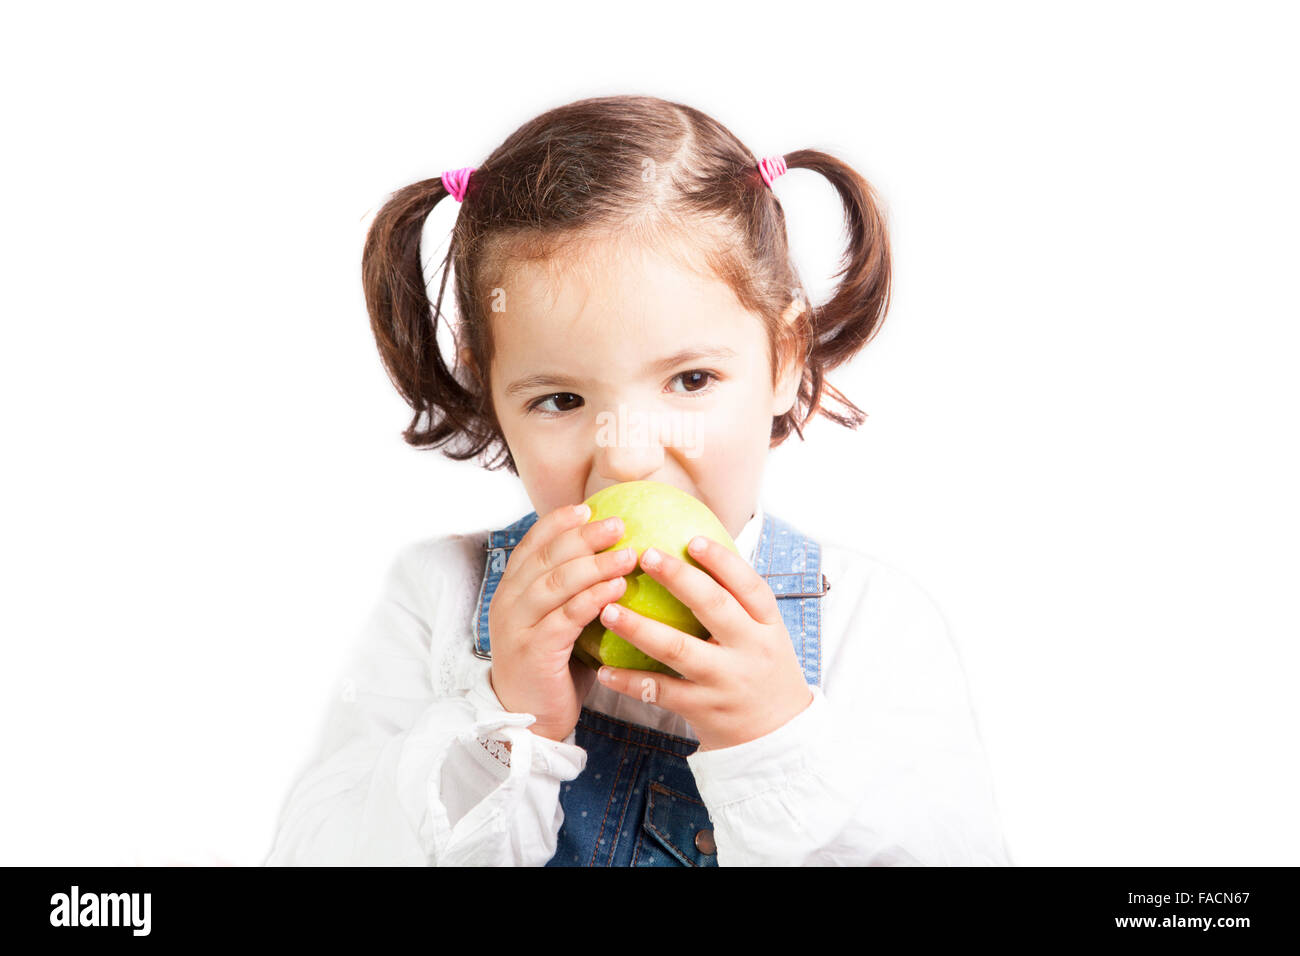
(792, 564)
(500, 544)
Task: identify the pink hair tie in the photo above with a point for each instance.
(456, 181)
(771, 167)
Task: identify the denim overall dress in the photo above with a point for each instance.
(635, 803)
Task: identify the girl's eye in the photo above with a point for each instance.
(696, 381)
(701, 379)
(537, 405)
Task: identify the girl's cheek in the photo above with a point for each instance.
(714, 435)
(731, 418)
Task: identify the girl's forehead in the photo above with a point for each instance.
(625, 283)
(641, 304)
(615, 305)
(607, 266)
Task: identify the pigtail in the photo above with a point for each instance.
(845, 323)
(405, 324)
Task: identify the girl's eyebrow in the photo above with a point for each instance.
(549, 379)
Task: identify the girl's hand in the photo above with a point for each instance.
(745, 680)
(554, 584)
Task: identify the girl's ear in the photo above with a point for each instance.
(787, 385)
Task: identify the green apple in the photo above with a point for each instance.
(655, 515)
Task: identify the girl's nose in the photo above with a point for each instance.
(630, 464)
(626, 452)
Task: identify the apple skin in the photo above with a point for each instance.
(655, 515)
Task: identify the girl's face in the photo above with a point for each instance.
(630, 367)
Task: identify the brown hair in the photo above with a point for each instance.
(627, 166)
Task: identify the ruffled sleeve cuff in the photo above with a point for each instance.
(518, 820)
(561, 759)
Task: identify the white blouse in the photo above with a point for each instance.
(885, 766)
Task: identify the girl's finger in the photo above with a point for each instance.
(581, 609)
(671, 693)
(545, 531)
(570, 538)
(710, 602)
(738, 576)
(564, 582)
(688, 655)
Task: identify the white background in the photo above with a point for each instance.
(1082, 406)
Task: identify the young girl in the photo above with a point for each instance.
(617, 259)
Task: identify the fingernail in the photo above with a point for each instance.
(582, 511)
(611, 524)
(610, 614)
(698, 545)
(651, 558)
(604, 673)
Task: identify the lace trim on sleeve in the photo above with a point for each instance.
(497, 750)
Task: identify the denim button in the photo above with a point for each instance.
(704, 842)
